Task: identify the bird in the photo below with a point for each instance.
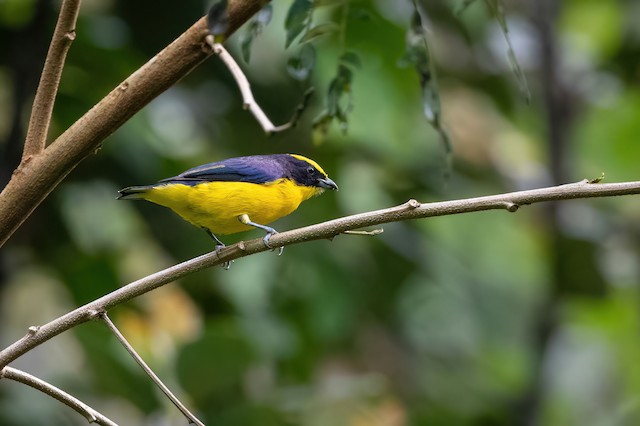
(237, 194)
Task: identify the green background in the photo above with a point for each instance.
(488, 318)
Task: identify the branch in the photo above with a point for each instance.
(409, 210)
(40, 119)
(248, 100)
(32, 181)
(192, 419)
(371, 233)
(89, 413)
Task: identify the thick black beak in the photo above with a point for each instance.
(327, 183)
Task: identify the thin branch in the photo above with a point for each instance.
(40, 119)
(248, 100)
(33, 180)
(326, 230)
(192, 418)
(371, 233)
(89, 413)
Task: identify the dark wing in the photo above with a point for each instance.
(253, 169)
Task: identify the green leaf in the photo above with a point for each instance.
(339, 100)
(351, 59)
(297, 18)
(419, 55)
(322, 122)
(255, 27)
(319, 31)
(301, 65)
(321, 3)
(339, 86)
(336, 108)
(217, 18)
(431, 103)
(462, 6)
(498, 10)
(360, 14)
(246, 40)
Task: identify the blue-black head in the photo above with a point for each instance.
(304, 171)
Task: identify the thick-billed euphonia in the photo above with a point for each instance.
(236, 194)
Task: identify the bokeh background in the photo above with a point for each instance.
(482, 319)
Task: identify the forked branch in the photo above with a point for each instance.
(89, 413)
(35, 179)
(192, 418)
(326, 230)
(42, 109)
(248, 100)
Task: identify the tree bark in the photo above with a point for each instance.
(39, 174)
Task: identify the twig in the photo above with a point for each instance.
(371, 233)
(192, 419)
(40, 119)
(409, 210)
(248, 100)
(33, 180)
(89, 413)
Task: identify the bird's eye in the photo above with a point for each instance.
(311, 170)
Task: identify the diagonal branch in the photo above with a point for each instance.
(40, 119)
(248, 100)
(89, 413)
(184, 410)
(409, 210)
(32, 181)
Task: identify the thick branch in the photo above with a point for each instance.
(409, 210)
(34, 180)
(45, 97)
(89, 413)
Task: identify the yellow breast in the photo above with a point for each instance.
(217, 205)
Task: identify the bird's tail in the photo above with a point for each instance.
(133, 192)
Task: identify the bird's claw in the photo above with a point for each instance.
(226, 265)
(266, 239)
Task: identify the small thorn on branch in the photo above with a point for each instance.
(93, 314)
(511, 207)
(412, 204)
(598, 179)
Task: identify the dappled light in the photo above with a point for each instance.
(482, 318)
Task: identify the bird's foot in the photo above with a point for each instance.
(266, 239)
(226, 265)
(244, 218)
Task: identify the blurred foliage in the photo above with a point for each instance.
(217, 20)
(253, 30)
(483, 319)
